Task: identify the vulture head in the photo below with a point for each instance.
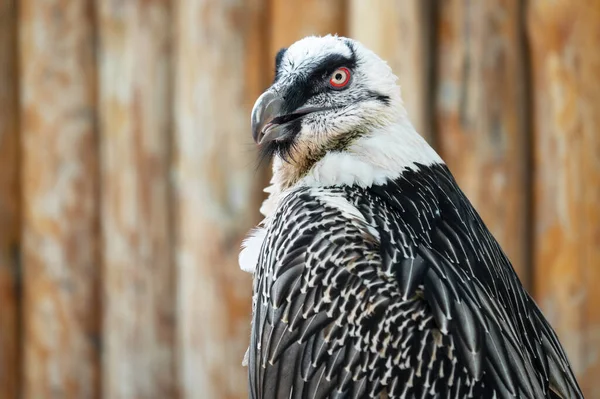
(334, 115)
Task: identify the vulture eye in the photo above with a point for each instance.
(339, 78)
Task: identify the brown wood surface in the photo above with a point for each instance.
(399, 32)
(128, 173)
(566, 79)
(216, 190)
(9, 204)
(135, 126)
(60, 197)
(290, 22)
(480, 115)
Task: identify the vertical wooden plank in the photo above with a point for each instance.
(566, 71)
(9, 203)
(480, 115)
(60, 224)
(400, 33)
(290, 21)
(216, 195)
(138, 295)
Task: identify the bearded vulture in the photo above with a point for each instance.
(374, 276)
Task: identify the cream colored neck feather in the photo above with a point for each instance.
(373, 159)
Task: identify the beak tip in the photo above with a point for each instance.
(267, 106)
(258, 137)
(256, 131)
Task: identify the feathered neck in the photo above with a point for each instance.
(375, 158)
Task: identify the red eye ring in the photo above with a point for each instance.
(339, 78)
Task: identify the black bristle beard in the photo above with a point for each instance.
(286, 150)
(283, 149)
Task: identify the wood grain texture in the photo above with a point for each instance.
(290, 22)
(135, 123)
(399, 32)
(480, 115)
(566, 78)
(216, 190)
(128, 173)
(60, 197)
(9, 205)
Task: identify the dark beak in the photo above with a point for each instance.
(269, 122)
(266, 109)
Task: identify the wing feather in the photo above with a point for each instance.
(397, 290)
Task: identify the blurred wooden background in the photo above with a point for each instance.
(127, 176)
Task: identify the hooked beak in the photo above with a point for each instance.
(267, 107)
(269, 122)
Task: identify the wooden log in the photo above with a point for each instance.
(290, 21)
(566, 79)
(9, 205)
(219, 73)
(400, 33)
(481, 119)
(60, 189)
(138, 295)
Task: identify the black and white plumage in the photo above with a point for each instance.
(373, 274)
